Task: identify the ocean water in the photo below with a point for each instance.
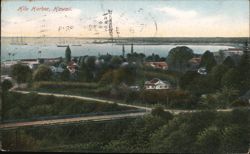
(49, 49)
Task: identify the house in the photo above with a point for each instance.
(159, 65)
(50, 61)
(72, 67)
(229, 52)
(32, 63)
(134, 88)
(6, 77)
(56, 69)
(157, 84)
(202, 71)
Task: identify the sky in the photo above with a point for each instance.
(128, 18)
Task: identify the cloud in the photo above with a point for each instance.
(171, 11)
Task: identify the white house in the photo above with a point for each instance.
(6, 77)
(202, 71)
(56, 69)
(157, 84)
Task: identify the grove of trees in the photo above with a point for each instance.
(30, 106)
(201, 132)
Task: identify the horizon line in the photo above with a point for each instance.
(133, 37)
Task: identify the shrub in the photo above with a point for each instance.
(240, 103)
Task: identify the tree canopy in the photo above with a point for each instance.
(43, 73)
(22, 73)
(178, 58)
(229, 62)
(208, 60)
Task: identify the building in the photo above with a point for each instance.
(134, 88)
(6, 77)
(72, 67)
(52, 60)
(157, 84)
(32, 63)
(229, 52)
(56, 69)
(202, 71)
(159, 65)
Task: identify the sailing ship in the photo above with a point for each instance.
(62, 44)
(76, 44)
(17, 41)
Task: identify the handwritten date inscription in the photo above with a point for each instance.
(65, 28)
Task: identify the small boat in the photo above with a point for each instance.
(62, 43)
(59, 45)
(76, 45)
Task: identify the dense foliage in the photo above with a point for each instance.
(43, 73)
(30, 106)
(202, 132)
(21, 73)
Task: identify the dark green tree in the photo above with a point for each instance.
(187, 78)
(178, 58)
(65, 75)
(85, 73)
(208, 61)
(68, 54)
(43, 73)
(229, 62)
(21, 73)
(231, 78)
(6, 85)
(235, 139)
(159, 111)
(244, 71)
(115, 61)
(91, 62)
(217, 73)
(209, 140)
(124, 75)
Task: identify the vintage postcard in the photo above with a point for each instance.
(125, 76)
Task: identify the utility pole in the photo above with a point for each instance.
(110, 25)
(123, 51)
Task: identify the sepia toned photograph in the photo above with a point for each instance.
(125, 76)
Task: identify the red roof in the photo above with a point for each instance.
(158, 64)
(234, 49)
(154, 80)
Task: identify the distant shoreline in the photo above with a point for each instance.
(145, 40)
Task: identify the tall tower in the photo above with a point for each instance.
(132, 49)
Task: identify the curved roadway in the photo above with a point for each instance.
(89, 118)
